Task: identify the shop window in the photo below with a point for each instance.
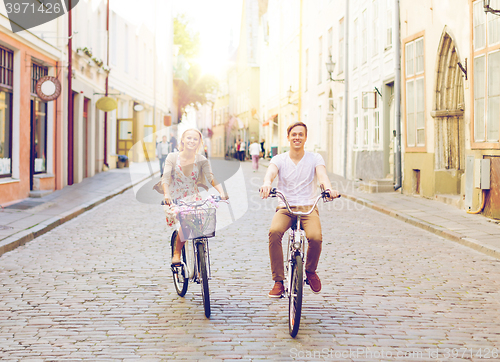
(6, 81)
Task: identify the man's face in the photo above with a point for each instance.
(297, 137)
(164, 138)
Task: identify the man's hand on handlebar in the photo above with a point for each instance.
(331, 194)
(264, 191)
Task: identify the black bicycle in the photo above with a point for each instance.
(197, 220)
(294, 270)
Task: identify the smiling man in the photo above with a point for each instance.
(298, 175)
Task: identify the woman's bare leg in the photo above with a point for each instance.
(176, 258)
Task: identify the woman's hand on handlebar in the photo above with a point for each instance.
(167, 200)
(264, 191)
(224, 196)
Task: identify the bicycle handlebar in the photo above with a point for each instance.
(196, 203)
(275, 193)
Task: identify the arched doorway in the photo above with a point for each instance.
(448, 119)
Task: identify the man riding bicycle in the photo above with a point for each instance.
(298, 174)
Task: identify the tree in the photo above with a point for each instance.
(196, 86)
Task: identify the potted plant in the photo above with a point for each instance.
(122, 161)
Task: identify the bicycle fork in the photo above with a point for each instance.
(295, 247)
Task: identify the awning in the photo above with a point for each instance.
(266, 123)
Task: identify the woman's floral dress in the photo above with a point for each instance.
(182, 188)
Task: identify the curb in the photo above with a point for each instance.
(437, 230)
(22, 237)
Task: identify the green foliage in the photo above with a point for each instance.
(193, 92)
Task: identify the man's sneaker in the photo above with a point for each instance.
(313, 281)
(277, 290)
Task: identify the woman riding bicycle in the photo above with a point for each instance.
(184, 171)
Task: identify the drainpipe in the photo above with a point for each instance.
(107, 88)
(346, 83)
(397, 96)
(70, 96)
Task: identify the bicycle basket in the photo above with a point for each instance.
(198, 223)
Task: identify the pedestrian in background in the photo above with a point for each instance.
(262, 149)
(173, 143)
(237, 145)
(254, 150)
(242, 151)
(162, 152)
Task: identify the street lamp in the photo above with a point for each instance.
(289, 93)
(488, 9)
(330, 66)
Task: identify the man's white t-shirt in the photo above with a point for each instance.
(298, 182)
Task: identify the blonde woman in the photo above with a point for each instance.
(184, 171)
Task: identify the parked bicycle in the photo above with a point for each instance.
(294, 270)
(198, 220)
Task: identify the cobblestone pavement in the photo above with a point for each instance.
(99, 288)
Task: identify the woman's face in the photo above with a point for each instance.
(191, 140)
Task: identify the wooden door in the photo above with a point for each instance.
(492, 204)
(125, 136)
(149, 141)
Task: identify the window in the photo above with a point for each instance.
(388, 30)
(375, 27)
(331, 107)
(415, 92)
(113, 40)
(330, 42)
(356, 123)
(365, 129)
(376, 123)
(318, 132)
(364, 39)
(137, 52)
(37, 72)
(307, 69)
(341, 46)
(38, 122)
(320, 59)
(486, 28)
(355, 45)
(126, 48)
(6, 82)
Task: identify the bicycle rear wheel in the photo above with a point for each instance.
(295, 295)
(202, 267)
(179, 273)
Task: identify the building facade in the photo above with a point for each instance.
(451, 112)
(30, 132)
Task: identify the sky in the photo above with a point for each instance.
(217, 21)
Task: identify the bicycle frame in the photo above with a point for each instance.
(192, 259)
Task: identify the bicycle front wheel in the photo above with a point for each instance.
(179, 273)
(202, 267)
(295, 295)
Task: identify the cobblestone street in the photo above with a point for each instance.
(100, 288)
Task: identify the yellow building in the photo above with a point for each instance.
(450, 102)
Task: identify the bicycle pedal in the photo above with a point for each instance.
(176, 268)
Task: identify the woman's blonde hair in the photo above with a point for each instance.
(181, 143)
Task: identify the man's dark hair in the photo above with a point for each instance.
(289, 129)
